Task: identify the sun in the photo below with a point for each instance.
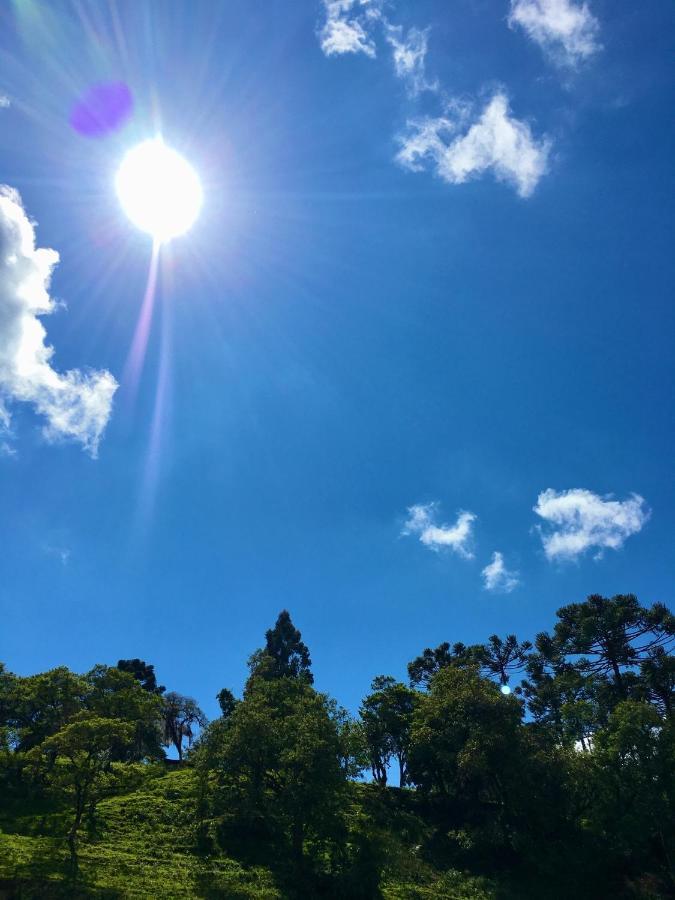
(159, 190)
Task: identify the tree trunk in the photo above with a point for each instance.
(298, 842)
(75, 827)
(403, 779)
(617, 678)
(379, 771)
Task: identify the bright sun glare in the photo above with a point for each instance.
(159, 190)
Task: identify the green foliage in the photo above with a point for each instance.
(633, 784)
(387, 715)
(423, 668)
(465, 737)
(116, 694)
(181, 718)
(284, 655)
(277, 769)
(143, 847)
(143, 673)
(502, 658)
(226, 701)
(77, 763)
(612, 635)
(38, 706)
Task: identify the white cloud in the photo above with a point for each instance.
(347, 27)
(76, 404)
(4, 101)
(496, 142)
(409, 54)
(497, 577)
(581, 520)
(566, 31)
(457, 537)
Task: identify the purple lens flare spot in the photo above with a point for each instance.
(102, 109)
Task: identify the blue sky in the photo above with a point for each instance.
(431, 289)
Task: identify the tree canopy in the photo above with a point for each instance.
(562, 784)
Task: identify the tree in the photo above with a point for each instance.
(613, 635)
(114, 693)
(387, 715)
(77, 762)
(181, 714)
(633, 789)
(143, 673)
(39, 705)
(353, 750)
(7, 700)
(467, 750)
(563, 701)
(423, 668)
(226, 701)
(277, 764)
(501, 658)
(601, 651)
(657, 676)
(284, 655)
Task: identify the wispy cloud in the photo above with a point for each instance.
(347, 28)
(409, 53)
(6, 448)
(458, 537)
(567, 31)
(496, 142)
(458, 145)
(355, 26)
(497, 578)
(76, 404)
(580, 520)
(63, 554)
(4, 101)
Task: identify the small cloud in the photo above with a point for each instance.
(496, 142)
(60, 553)
(581, 520)
(458, 537)
(565, 30)
(409, 52)
(75, 404)
(497, 577)
(5, 102)
(347, 27)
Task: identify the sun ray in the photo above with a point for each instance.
(139, 345)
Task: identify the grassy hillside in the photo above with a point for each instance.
(144, 844)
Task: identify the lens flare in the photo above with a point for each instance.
(103, 109)
(159, 190)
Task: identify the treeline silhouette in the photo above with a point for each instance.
(548, 767)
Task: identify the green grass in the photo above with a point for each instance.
(142, 848)
(144, 842)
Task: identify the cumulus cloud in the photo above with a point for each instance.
(567, 31)
(580, 520)
(409, 53)
(75, 404)
(458, 537)
(497, 577)
(496, 142)
(347, 28)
